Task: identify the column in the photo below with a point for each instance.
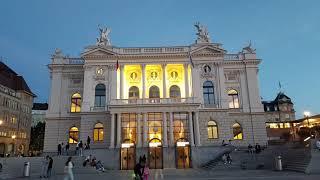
(119, 130)
(197, 131)
(112, 131)
(196, 83)
(139, 130)
(164, 133)
(186, 80)
(121, 81)
(191, 129)
(223, 95)
(164, 81)
(171, 139)
(113, 86)
(143, 81)
(145, 130)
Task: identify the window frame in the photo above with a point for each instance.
(213, 128)
(75, 106)
(99, 130)
(208, 93)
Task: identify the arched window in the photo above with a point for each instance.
(100, 96)
(133, 92)
(154, 92)
(237, 131)
(212, 130)
(175, 92)
(98, 132)
(233, 98)
(73, 135)
(75, 103)
(208, 92)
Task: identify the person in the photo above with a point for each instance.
(146, 172)
(88, 142)
(93, 161)
(44, 167)
(62, 148)
(59, 149)
(224, 159)
(137, 170)
(80, 148)
(67, 148)
(318, 144)
(230, 144)
(68, 169)
(257, 148)
(99, 166)
(250, 149)
(49, 167)
(223, 143)
(77, 148)
(229, 160)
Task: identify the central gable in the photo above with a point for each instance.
(208, 49)
(98, 51)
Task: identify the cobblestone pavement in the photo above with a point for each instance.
(223, 175)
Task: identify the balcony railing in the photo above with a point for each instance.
(153, 101)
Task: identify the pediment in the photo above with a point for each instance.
(98, 52)
(208, 50)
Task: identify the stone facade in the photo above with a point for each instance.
(15, 113)
(155, 100)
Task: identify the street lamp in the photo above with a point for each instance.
(307, 115)
(13, 136)
(1, 122)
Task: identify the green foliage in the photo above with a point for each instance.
(37, 137)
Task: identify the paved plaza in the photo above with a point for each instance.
(193, 174)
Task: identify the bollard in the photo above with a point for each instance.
(26, 169)
(279, 163)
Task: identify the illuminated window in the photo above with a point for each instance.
(129, 127)
(133, 92)
(76, 103)
(286, 125)
(212, 130)
(155, 126)
(208, 92)
(273, 125)
(233, 99)
(98, 132)
(237, 131)
(73, 135)
(180, 126)
(154, 92)
(175, 92)
(100, 95)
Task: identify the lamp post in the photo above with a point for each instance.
(307, 114)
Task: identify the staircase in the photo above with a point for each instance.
(212, 163)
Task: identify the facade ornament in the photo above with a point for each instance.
(57, 53)
(248, 49)
(104, 40)
(203, 34)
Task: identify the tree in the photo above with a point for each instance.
(37, 137)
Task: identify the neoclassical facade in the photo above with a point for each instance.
(168, 103)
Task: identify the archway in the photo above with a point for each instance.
(127, 155)
(155, 155)
(183, 155)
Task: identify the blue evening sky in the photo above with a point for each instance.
(286, 34)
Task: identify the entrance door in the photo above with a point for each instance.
(183, 157)
(128, 158)
(2, 149)
(155, 158)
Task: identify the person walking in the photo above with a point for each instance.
(68, 169)
(80, 148)
(257, 148)
(229, 160)
(250, 149)
(62, 148)
(59, 149)
(146, 172)
(44, 167)
(49, 167)
(88, 142)
(67, 148)
(138, 170)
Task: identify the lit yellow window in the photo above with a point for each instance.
(237, 131)
(233, 99)
(212, 130)
(98, 132)
(73, 135)
(75, 103)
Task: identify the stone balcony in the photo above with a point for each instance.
(155, 101)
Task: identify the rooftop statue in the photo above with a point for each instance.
(104, 40)
(203, 34)
(248, 49)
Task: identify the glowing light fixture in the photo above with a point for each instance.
(127, 145)
(13, 136)
(1, 122)
(154, 144)
(182, 144)
(306, 113)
